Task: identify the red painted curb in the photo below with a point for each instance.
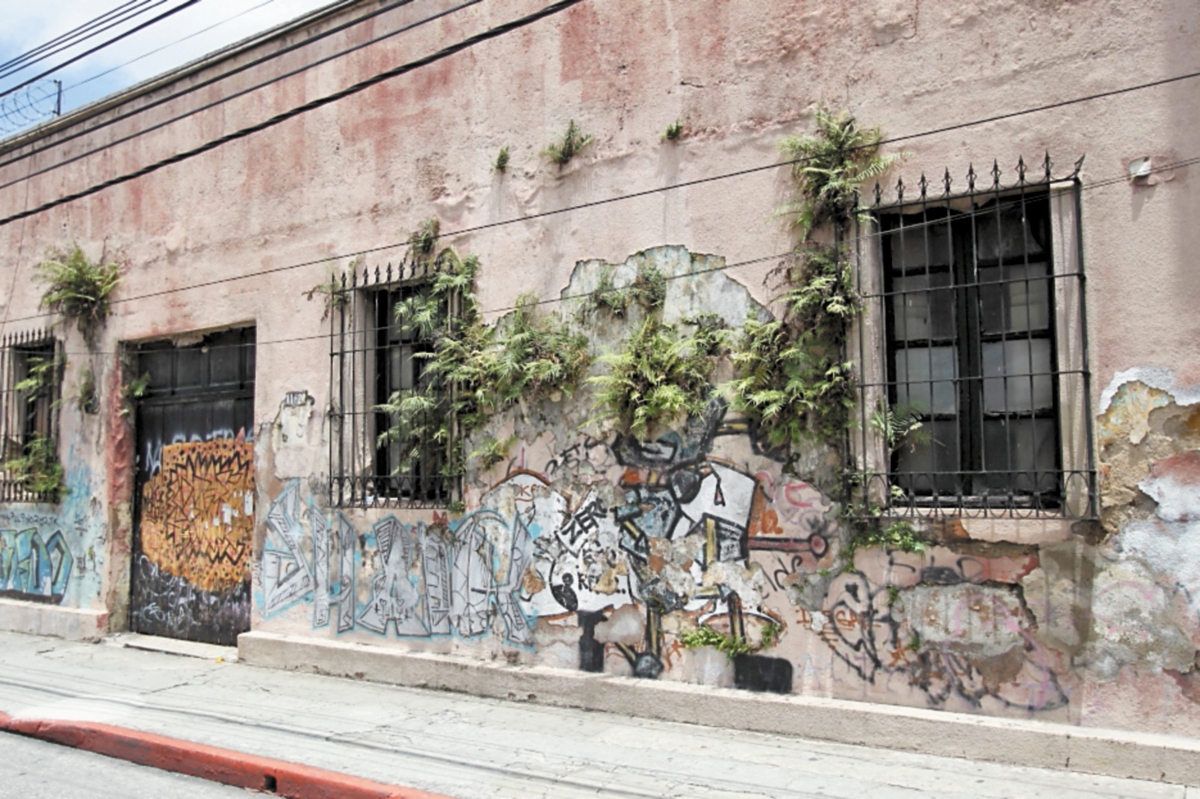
(209, 762)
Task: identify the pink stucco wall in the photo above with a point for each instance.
(236, 235)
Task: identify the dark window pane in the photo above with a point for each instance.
(1017, 376)
(923, 307)
(189, 362)
(920, 245)
(930, 465)
(1014, 298)
(925, 378)
(1011, 229)
(1019, 454)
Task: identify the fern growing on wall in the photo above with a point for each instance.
(793, 376)
(78, 288)
(661, 376)
(527, 356)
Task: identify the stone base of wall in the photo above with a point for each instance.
(1114, 753)
(32, 618)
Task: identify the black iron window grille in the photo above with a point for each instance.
(31, 375)
(975, 390)
(379, 457)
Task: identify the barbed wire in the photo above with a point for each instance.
(33, 104)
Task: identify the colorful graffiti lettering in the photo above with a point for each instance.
(32, 568)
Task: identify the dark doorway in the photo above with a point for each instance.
(194, 492)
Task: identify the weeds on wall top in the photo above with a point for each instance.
(78, 288)
(572, 142)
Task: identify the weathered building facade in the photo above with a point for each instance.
(1007, 520)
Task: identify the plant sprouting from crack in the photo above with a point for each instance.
(492, 451)
(899, 535)
(828, 170)
(423, 241)
(731, 645)
(661, 375)
(334, 291)
(673, 131)
(501, 162)
(85, 396)
(133, 391)
(78, 288)
(572, 142)
(648, 290)
(899, 425)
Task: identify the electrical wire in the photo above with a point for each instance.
(320, 102)
(69, 45)
(406, 68)
(777, 257)
(98, 48)
(316, 37)
(167, 46)
(74, 33)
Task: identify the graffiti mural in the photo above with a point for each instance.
(33, 568)
(197, 513)
(192, 573)
(423, 579)
(694, 530)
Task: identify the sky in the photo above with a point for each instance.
(27, 24)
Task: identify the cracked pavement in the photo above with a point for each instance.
(477, 748)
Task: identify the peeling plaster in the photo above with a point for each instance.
(1158, 377)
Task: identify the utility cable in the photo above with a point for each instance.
(167, 46)
(75, 33)
(320, 102)
(99, 47)
(685, 184)
(853, 240)
(69, 45)
(69, 137)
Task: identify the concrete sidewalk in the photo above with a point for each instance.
(464, 746)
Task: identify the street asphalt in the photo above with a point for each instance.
(468, 747)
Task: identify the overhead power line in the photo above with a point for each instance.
(70, 35)
(168, 46)
(90, 30)
(853, 240)
(97, 48)
(491, 34)
(585, 295)
(320, 102)
(120, 117)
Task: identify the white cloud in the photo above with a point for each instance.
(30, 23)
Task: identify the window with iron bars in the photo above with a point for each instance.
(376, 459)
(975, 397)
(31, 371)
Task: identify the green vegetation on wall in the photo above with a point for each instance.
(78, 288)
(569, 146)
(38, 469)
(793, 376)
(527, 356)
(662, 375)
